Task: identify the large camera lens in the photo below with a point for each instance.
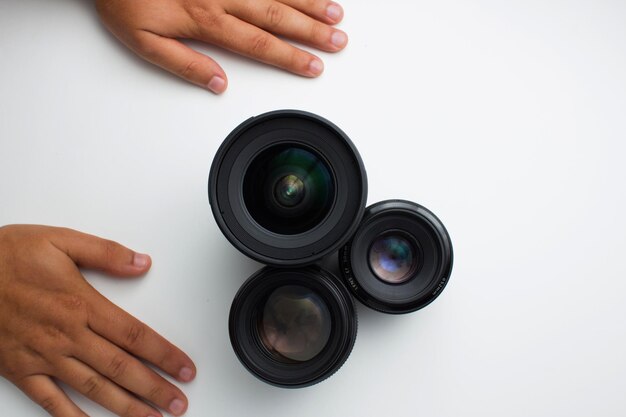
(400, 258)
(287, 188)
(292, 327)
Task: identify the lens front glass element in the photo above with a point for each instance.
(393, 258)
(295, 324)
(288, 189)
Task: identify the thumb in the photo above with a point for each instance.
(179, 59)
(92, 252)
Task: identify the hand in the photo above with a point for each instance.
(53, 324)
(151, 29)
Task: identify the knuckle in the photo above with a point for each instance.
(206, 17)
(51, 341)
(165, 357)
(274, 14)
(93, 385)
(135, 335)
(155, 393)
(74, 303)
(319, 32)
(18, 364)
(109, 248)
(132, 410)
(117, 366)
(49, 404)
(63, 231)
(298, 61)
(54, 333)
(191, 68)
(260, 45)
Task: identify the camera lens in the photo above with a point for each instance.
(292, 327)
(287, 188)
(400, 258)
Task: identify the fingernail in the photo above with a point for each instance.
(217, 84)
(140, 260)
(177, 407)
(316, 67)
(185, 374)
(338, 39)
(334, 11)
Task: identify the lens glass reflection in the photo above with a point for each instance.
(295, 324)
(288, 189)
(393, 258)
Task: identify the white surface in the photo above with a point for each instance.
(507, 119)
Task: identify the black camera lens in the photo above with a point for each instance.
(292, 327)
(287, 188)
(400, 258)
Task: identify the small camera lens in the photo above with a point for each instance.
(287, 188)
(400, 258)
(292, 327)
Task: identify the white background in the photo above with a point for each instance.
(505, 118)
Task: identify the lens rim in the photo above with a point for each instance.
(298, 128)
(249, 347)
(428, 281)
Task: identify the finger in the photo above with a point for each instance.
(324, 11)
(181, 60)
(122, 329)
(96, 253)
(129, 373)
(101, 390)
(43, 391)
(286, 21)
(243, 38)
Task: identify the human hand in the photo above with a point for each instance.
(53, 324)
(151, 28)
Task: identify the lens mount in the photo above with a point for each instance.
(292, 327)
(287, 188)
(399, 259)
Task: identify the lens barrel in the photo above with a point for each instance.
(400, 258)
(287, 188)
(292, 327)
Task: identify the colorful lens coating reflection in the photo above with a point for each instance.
(392, 258)
(295, 324)
(288, 189)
